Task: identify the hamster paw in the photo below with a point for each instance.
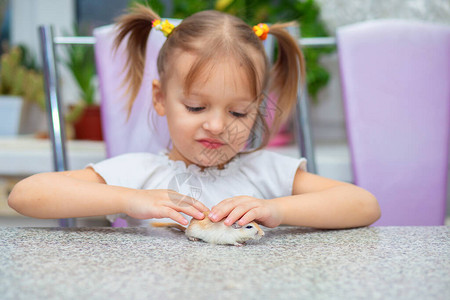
(193, 239)
(239, 244)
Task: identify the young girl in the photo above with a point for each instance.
(214, 76)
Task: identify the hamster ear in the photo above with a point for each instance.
(158, 98)
(236, 225)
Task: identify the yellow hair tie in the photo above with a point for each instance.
(261, 30)
(165, 27)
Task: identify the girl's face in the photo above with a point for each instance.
(212, 124)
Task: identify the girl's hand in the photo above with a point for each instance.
(147, 204)
(247, 209)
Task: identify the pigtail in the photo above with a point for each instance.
(286, 74)
(136, 25)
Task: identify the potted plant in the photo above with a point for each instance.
(22, 101)
(85, 114)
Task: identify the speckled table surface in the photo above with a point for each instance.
(287, 263)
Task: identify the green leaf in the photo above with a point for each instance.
(81, 63)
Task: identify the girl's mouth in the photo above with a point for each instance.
(211, 143)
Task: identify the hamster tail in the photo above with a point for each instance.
(169, 225)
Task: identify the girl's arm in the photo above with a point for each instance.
(83, 193)
(79, 193)
(315, 202)
(325, 203)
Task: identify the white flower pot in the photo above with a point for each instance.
(33, 119)
(10, 113)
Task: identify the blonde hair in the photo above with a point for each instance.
(210, 35)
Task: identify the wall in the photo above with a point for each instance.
(28, 15)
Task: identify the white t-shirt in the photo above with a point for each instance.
(261, 174)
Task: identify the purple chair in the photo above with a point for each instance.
(395, 78)
(138, 133)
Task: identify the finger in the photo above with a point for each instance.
(192, 207)
(192, 211)
(179, 199)
(222, 209)
(183, 200)
(187, 209)
(250, 216)
(200, 206)
(236, 214)
(176, 216)
(225, 208)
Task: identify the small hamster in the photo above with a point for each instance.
(217, 232)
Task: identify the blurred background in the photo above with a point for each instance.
(25, 149)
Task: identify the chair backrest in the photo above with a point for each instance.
(136, 132)
(395, 78)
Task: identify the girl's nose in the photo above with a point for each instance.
(215, 124)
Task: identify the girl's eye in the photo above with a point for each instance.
(200, 108)
(238, 115)
(194, 109)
